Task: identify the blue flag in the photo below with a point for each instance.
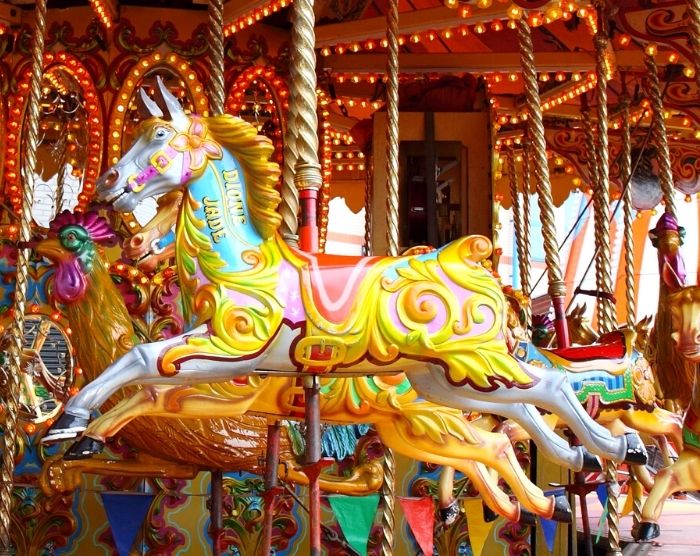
(125, 513)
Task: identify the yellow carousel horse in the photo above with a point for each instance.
(675, 340)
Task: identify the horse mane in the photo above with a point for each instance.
(253, 152)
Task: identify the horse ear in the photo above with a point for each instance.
(171, 106)
(147, 106)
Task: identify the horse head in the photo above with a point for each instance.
(171, 149)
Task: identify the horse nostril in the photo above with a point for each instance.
(110, 177)
(137, 240)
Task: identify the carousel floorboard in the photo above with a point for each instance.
(680, 534)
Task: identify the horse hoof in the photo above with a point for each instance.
(647, 531)
(591, 463)
(68, 426)
(636, 452)
(489, 514)
(85, 448)
(562, 509)
(527, 518)
(449, 514)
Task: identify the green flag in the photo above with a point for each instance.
(355, 515)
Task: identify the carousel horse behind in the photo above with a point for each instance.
(411, 426)
(676, 344)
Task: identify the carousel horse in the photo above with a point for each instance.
(615, 396)
(103, 331)
(258, 306)
(676, 342)
(411, 426)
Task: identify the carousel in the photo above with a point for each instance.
(369, 277)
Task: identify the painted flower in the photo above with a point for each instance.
(195, 143)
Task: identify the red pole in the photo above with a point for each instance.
(308, 231)
(313, 459)
(216, 510)
(560, 326)
(271, 479)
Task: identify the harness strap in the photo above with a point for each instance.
(160, 162)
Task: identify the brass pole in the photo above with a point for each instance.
(658, 124)
(10, 415)
(524, 245)
(61, 178)
(557, 289)
(289, 208)
(605, 306)
(215, 86)
(369, 172)
(215, 90)
(307, 170)
(392, 128)
(392, 237)
(694, 24)
(625, 174)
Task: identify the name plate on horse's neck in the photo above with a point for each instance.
(220, 201)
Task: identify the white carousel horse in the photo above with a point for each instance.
(259, 306)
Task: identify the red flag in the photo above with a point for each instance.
(420, 514)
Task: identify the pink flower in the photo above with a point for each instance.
(195, 143)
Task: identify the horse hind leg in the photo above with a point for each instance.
(551, 445)
(492, 449)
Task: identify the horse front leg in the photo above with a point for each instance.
(554, 393)
(681, 476)
(140, 366)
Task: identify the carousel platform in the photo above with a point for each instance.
(680, 534)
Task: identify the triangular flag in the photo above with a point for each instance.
(478, 528)
(602, 492)
(420, 514)
(355, 515)
(628, 506)
(125, 513)
(601, 524)
(549, 532)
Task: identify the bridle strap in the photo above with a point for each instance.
(160, 162)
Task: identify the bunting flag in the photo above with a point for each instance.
(549, 532)
(355, 515)
(628, 506)
(478, 529)
(602, 492)
(125, 513)
(420, 515)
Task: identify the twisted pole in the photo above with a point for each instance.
(289, 208)
(215, 91)
(694, 25)
(524, 243)
(605, 306)
(215, 86)
(625, 174)
(369, 172)
(10, 424)
(392, 237)
(307, 170)
(61, 179)
(392, 128)
(557, 289)
(658, 124)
